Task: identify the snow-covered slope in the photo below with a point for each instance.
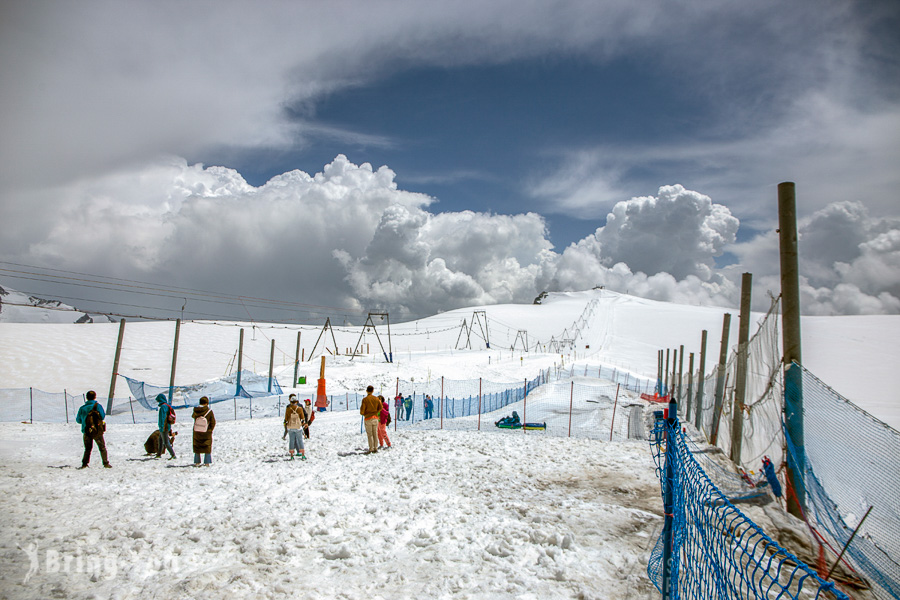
(857, 356)
(444, 514)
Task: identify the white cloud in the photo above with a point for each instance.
(832, 149)
(349, 237)
(584, 184)
(418, 262)
(92, 86)
(678, 232)
(849, 261)
(877, 268)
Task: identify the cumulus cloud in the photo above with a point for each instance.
(678, 232)
(659, 247)
(418, 261)
(348, 237)
(849, 261)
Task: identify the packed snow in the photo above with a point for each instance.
(444, 513)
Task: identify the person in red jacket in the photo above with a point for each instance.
(398, 410)
(383, 421)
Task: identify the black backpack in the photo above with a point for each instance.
(93, 423)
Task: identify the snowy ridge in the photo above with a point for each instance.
(16, 307)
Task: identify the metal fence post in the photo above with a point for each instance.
(669, 503)
(525, 406)
(31, 404)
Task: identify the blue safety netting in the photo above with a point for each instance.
(217, 390)
(483, 398)
(849, 461)
(716, 552)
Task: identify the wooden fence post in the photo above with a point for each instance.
(615, 403)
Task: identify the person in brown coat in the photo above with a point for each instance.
(294, 420)
(370, 409)
(204, 423)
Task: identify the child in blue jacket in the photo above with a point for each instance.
(164, 426)
(92, 429)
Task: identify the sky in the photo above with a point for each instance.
(287, 161)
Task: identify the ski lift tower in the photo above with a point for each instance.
(464, 328)
(477, 317)
(389, 354)
(521, 335)
(327, 327)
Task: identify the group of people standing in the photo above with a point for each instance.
(405, 405)
(297, 419)
(204, 424)
(92, 419)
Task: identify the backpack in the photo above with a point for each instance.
(388, 422)
(93, 422)
(294, 420)
(170, 417)
(201, 425)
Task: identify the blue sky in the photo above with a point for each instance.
(449, 154)
(497, 127)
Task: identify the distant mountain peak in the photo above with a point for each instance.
(17, 307)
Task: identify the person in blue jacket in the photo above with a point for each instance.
(408, 405)
(164, 427)
(92, 429)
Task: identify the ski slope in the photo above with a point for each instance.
(857, 356)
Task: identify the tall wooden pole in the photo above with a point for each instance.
(174, 360)
(668, 391)
(237, 389)
(296, 361)
(659, 373)
(690, 389)
(720, 380)
(271, 364)
(115, 371)
(698, 411)
(793, 381)
(740, 377)
(680, 374)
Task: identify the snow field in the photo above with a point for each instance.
(496, 514)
